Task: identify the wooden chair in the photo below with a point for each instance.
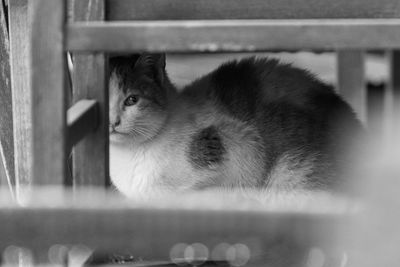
(219, 31)
(106, 26)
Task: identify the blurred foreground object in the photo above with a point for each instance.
(280, 229)
(375, 234)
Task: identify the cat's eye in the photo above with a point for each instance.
(131, 100)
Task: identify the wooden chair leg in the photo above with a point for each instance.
(21, 91)
(351, 81)
(49, 94)
(392, 99)
(90, 156)
(6, 121)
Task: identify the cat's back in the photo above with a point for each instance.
(260, 88)
(300, 119)
(244, 85)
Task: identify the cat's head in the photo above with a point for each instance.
(139, 89)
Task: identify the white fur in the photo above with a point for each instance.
(147, 169)
(289, 174)
(126, 163)
(162, 164)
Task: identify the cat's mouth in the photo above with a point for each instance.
(113, 131)
(117, 137)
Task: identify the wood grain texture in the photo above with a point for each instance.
(21, 91)
(249, 9)
(90, 156)
(7, 175)
(235, 35)
(49, 97)
(351, 81)
(81, 120)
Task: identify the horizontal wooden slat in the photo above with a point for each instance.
(150, 234)
(148, 229)
(105, 221)
(248, 35)
(82, 118)
(250, 9)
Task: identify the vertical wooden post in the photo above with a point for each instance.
(49, 94)
(392, 99)
(21, 91)
(6, 120)
(90, 156)
(351, 81)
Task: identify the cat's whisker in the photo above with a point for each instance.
(135, 132)
(141, 131)
(148, 135)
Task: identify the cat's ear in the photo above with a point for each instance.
(115, 62)
(153, 65)
(122, 63)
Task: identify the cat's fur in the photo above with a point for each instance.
(253, 123)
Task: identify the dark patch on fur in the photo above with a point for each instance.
(206, 148)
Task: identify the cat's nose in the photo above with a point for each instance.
(116, 123)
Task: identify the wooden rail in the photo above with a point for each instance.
(82, 119)
(251, 9)
(149, 231)
(248, 35)
(150, 234)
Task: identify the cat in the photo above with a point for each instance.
(252, 123)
